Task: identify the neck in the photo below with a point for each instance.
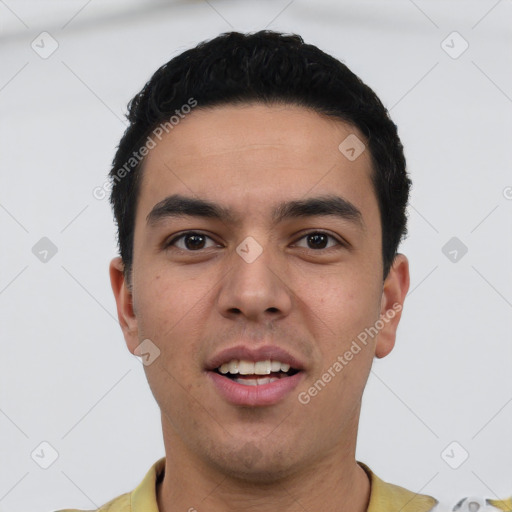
(333, 483)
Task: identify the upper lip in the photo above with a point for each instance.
(264, 353)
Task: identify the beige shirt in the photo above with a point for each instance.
(384, 497)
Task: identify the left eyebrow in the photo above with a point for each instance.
(320, 206)
(183, 206)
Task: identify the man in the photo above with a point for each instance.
(260, 194)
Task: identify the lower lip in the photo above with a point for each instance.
(266, 394)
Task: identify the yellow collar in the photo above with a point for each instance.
(384, 497)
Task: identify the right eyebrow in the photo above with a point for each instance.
(182, 206)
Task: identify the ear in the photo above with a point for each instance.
(124, 301)
(396, 286)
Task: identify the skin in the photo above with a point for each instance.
(310, 301)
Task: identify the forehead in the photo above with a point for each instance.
(227, 128)
(247, 157)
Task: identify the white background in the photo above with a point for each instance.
(65, 375)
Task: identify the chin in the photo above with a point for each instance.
(256, 464)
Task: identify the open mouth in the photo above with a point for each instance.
(257, 373)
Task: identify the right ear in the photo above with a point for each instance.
(124, 301)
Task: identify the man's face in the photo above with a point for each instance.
(294, 285)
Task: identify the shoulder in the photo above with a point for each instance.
(141, 499)
(388, 497)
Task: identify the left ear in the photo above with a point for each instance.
(396, 286)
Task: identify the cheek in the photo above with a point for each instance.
(172, 308)
(162, 304)
(344, 302)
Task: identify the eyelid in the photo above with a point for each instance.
(178, 236)
(339, 242)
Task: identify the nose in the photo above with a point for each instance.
(255, 290)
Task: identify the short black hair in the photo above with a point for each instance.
(266, 67)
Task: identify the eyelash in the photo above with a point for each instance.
(172, 242)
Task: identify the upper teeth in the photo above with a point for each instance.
(250, 368)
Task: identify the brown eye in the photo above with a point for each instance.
(194, 241)
(319, 240)
(190, 241)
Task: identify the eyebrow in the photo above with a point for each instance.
(182, 206)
